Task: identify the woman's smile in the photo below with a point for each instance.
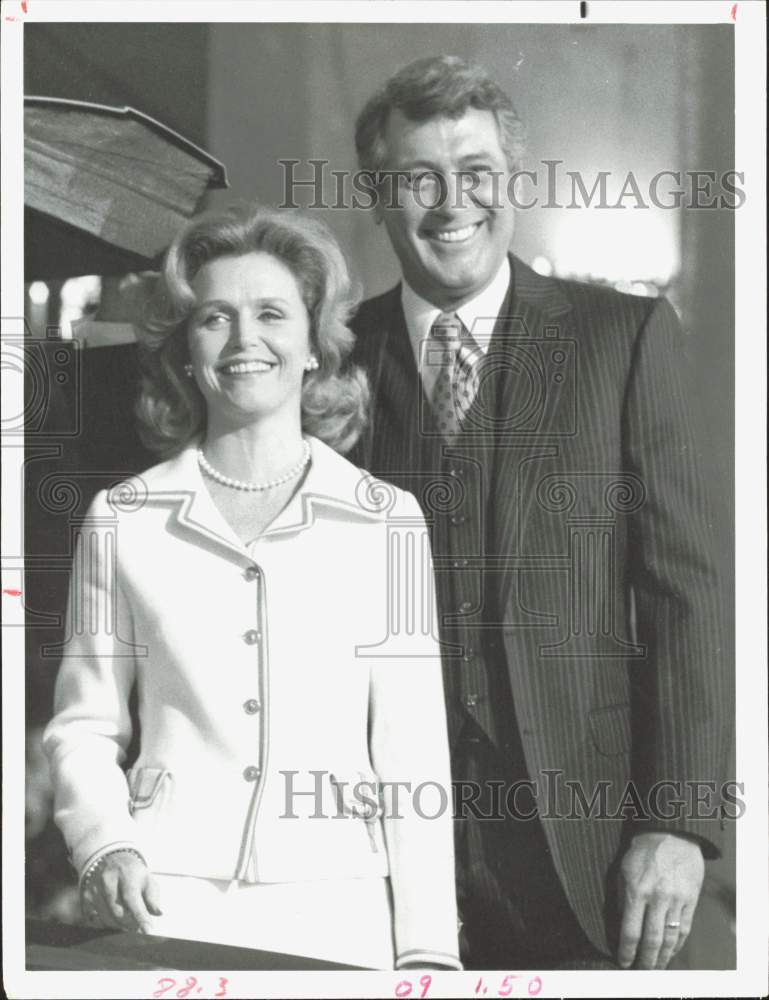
(240, 368)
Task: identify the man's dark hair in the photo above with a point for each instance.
(436, 86)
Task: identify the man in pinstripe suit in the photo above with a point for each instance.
(544, 426)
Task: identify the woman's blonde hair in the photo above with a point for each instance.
(171, 409)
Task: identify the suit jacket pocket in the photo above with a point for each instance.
(145, 784)
(610, 729)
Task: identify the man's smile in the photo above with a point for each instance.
(447, 235)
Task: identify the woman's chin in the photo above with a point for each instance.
(252, 406)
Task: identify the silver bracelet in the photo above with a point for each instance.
(99, 863)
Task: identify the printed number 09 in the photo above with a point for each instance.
(405, 987)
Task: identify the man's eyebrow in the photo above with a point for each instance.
(413, 165)
(473, 157)
(480, 154)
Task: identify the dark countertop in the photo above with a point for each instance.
(57, 947)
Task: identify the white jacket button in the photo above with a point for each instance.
(251, 773)
(251, 707)
(252, 637)
(252, 573)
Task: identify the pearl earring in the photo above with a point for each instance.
(188, 370)
(312, 364)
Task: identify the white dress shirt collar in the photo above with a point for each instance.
(478, 316)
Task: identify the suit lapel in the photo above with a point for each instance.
(177, 486)
(403, 442)
(528, 410)
(526, 413)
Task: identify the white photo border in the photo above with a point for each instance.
(748, 18)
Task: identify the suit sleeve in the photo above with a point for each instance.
(86, 741)
(409, 750)
(684, 682)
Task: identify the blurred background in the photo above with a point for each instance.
(599, 98)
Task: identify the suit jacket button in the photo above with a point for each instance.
(252, 573)
(469, 654)
(251, 773)
(471, 700)
(457, 519)
(459, 563)
(466, 606)
(251, 707)
(252, 637)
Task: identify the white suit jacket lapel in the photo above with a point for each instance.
(332, 484)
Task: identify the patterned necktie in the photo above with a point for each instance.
(458, 375)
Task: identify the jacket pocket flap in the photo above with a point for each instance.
(357, 793)
(610, 729)
(144, 783)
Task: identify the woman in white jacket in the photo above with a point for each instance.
(273, 605)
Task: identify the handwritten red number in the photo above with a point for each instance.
(170, 983)
(404, 988)
(479, 986)
(185, 990)
(425, 982)
(507, 986)
(222, 987)
(535, 986)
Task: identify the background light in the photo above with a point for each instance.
(79, 297)
(542, 266)
(38, 293)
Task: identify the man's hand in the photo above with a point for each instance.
(660, 880)
(122, 894)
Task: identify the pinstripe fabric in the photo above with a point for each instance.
(581, 499)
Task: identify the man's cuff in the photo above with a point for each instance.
(705, 833)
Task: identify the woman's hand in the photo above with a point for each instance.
(122, 894)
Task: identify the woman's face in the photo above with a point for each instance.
(248, 337)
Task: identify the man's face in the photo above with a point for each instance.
(451, 252)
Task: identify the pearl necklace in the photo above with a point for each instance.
(239, 484)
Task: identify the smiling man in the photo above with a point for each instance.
(545, 427)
